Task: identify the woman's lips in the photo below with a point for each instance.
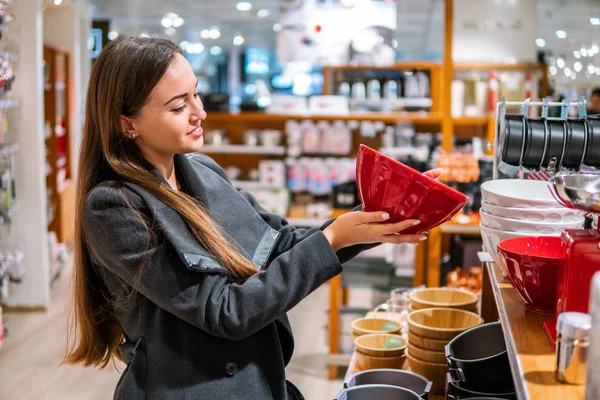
(196, 132)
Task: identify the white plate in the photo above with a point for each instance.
(561, 214)
(520, 193)
(529, 227)
(491, 238)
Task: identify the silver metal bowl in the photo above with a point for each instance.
(581, 191)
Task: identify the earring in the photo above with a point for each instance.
(133, 135)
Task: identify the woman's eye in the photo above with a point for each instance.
(197, 94)
(179, 109)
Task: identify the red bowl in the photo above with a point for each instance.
(531, 263)
(385, 184)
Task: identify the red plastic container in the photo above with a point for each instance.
(532, 266)
(388, 185)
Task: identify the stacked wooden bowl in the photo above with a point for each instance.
(380, 350)
(429, 331)
(365, 326)
(443, 298)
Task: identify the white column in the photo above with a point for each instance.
(29, 229)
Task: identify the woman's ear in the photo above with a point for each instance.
(127, 126)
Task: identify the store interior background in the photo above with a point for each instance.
(246, 54)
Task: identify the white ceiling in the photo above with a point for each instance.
(420, 22)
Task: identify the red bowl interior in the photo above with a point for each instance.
(532, 266)
(385, 184)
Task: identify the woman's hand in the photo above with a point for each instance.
(361, 227)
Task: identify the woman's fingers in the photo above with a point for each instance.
(371, 217)
(434, 173)
(397, 239)
(400, 226)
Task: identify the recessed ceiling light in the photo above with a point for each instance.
(171, 15)
(263, 13)
(560, 62)
(597, 70)
(184, 45)
(177, 22)
(577, 66)
(216, 50)
(540, 42)
(553, 70)
(112, 35)
(591, 68)
(595, 49)
(244, 6)
(595, 21)
(238, 40)
(58, 2)
(205, 34)
(215, 33)
(583, 52)
(567, 71)
(144, 35)
(277, 27)
(170, 31)
(166, 22)
(561, 34)
(194, 48)
(573, 75)
(577, 54)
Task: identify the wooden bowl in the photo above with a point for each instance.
(365, 361)
(374, 344)
(435, 372)
(426, 343)
(438, 357)
(441, 323)
(443, 298)
(364, 326)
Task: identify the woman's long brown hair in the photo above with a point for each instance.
(121, 81)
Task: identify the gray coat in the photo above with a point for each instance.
(191, 332)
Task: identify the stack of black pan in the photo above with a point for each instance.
(539, 143)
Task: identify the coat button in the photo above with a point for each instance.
(231, 368)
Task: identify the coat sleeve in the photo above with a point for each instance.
(290, 235)
(119, 241)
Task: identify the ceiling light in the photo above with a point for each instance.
(238, 40)
(263, 13)
(567, 71)
(244, 6)
(215, 50)
(577, 54)
(144, 35)
(597, 70)
(595, 21)
(215, 33)
(205, 34)
(577, 66)
(277, 27)
(561, 34)
(171, 15)
(394, 43)
(595, 49)
(170, 31)
(112, 35)
(591, 68)
(540, 42)
(58, 2)
(194, 48)
(553, 70)
(184, 45)
(177, 22)
(573, 76)
(166, 22)
(584, 52)
(560, 62)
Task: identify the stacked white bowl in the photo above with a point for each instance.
(520, 207)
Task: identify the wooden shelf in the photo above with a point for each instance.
(395, 66)
(426, 118)
(499, 67)
(243, 149)
(472, 121)
(531, 357)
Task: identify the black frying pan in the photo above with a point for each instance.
(555, 142)
(535, 143)
(514, 136)
(576, 140)
(592, 154)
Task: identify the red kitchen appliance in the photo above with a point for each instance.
(579, 248)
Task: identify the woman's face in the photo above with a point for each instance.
(170, 122)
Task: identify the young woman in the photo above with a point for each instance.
(178, 274)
